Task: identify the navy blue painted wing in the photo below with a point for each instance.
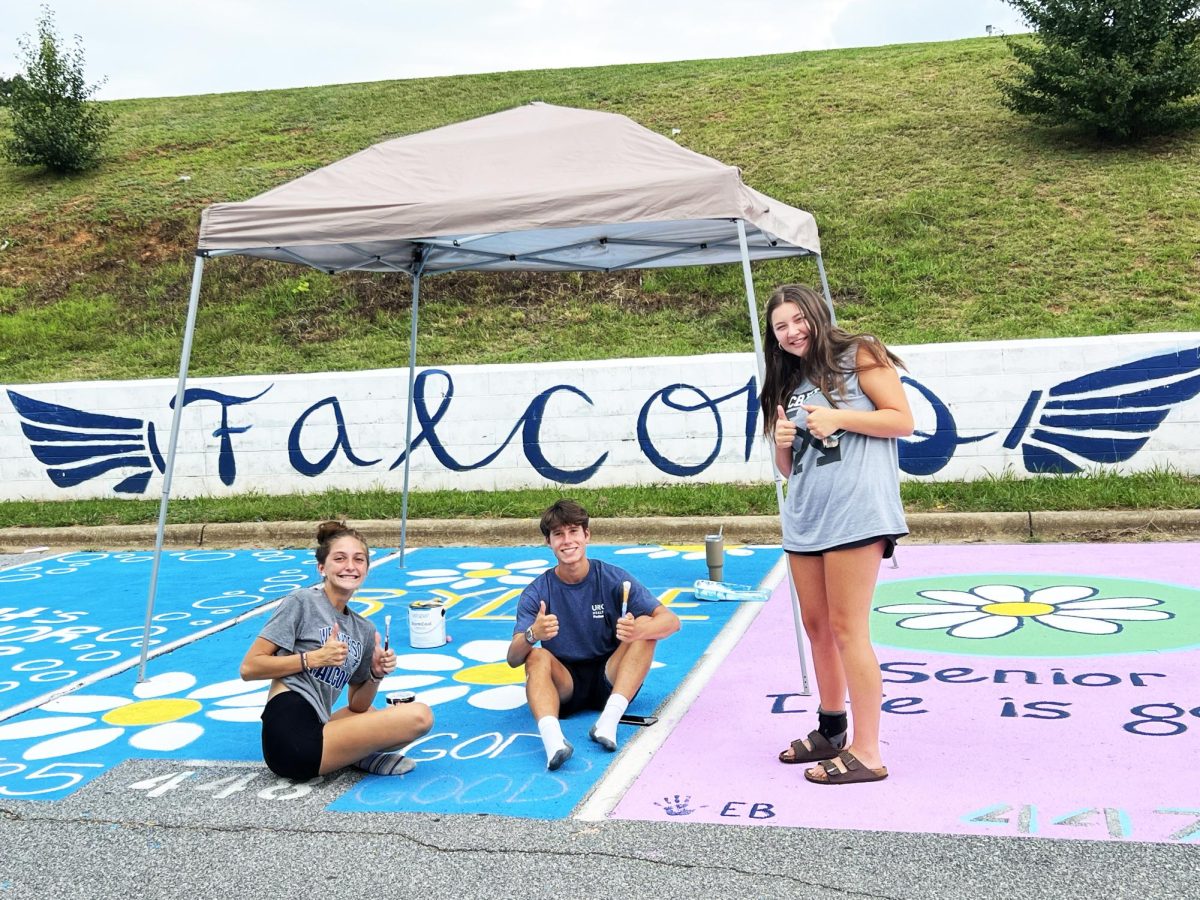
(76, 446)
(1105, 416)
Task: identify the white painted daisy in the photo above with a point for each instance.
(474, 574)
(444, 677)
(153, 720)
(684, 551)
(993, 610)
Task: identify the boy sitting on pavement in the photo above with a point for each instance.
(597, 626)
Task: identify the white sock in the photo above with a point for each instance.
(386, 762)
(604, 732)
(552, 739)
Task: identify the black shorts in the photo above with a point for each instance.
(292, 737)
(889, 546)
(591, 686)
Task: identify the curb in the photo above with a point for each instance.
(926, 528)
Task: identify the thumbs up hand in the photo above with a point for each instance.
(785, 429)
(334, 651)
(545, 626)
(383, 662)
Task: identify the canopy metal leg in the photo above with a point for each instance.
(748, 278)
(184, 356)
(408, 419)
(825, 288)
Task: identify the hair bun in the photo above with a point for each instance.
(328, 530)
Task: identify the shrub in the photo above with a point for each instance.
(53, 124)
(1121, 69)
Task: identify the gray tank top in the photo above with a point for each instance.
(843, 494)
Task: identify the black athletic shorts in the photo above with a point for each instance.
(889, 546)
(592, 687)
(292, 737)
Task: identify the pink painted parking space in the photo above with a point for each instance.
(1043, 691)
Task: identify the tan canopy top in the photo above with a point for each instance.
(535, 187)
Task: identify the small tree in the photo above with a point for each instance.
(6, 88)
(53, 124)
(1121, 69)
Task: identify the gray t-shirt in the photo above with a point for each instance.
(303, 622)
(842, 494)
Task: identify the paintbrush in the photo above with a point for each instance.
(624, 599)
(387, 631)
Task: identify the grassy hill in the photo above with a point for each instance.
(943, 217)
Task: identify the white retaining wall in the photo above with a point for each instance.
(1127, 402)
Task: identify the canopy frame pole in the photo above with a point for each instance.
(748, 278)
(420, 255)
(825, 288)
(184, 356)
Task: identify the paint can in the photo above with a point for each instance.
(426, 624)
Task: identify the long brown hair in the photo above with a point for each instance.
(830, 357)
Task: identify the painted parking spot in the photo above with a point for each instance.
(194, 707)
(484, 753)
(85, 614)
(1038, 691)
(70, 618)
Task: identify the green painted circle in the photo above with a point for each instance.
(1032, 637)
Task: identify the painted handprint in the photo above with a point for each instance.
(677, 806)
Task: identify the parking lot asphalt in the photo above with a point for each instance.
(116, 837)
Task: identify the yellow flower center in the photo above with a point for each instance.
(1018, 609)
(151, 712)
(491, 673)
(486, 573)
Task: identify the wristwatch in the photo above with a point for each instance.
(529, 636)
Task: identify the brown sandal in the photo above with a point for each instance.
(818, 748)
(855, 772)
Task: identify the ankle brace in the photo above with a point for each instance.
(831, 725)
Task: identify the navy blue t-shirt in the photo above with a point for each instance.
(587, 612)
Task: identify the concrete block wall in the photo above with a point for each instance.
(1125, 402)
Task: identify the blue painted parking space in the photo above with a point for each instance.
(83, 614)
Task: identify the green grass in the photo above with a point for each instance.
(1098, 491)
(943, 218)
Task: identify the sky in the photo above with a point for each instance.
(163, 48)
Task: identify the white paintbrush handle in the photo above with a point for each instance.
(624, 598)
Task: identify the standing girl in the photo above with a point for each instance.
(313, 646)
(834, 403)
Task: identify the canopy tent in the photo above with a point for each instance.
(535, 188)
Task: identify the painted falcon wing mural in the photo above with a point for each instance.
(1105, 416)
(76, 446)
